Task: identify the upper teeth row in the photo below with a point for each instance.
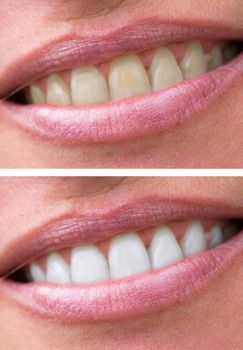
(127, 77)
(128, 255)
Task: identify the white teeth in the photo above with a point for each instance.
(88, 265)
(127, 256)
(36, 272)
(36, 94)
(215, 236)
(57, 269)
(164, 248)
(194, 62)
(128, 78)
(57, 91)
(164, 70)
(194, 240)
(88, 86)
(216, 58)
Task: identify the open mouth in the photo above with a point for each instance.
(76, 275)
(150, 87)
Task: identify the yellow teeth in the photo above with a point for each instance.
(128, 78)
(164, 70)
(88, 86)
(57, 91)
(194, 62)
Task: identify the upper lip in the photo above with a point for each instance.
(73, 50)
(73, 227)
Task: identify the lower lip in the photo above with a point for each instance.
(136, 117)
(132, 296)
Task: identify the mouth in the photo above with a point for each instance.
(123, 264)
(120, 87)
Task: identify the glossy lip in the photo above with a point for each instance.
(126, 119)
(151, 291)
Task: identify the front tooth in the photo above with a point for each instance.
(88, 86)
(37, 95)
(57, 91)
(194, 62)
(164, 248)
(36, 272)
(58, 270)
(164, 70)
(216, 58)
(215, 236)
(194, 240)
(88, 265)
(127, 256)
(128, 77)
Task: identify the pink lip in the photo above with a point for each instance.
(126, 119)
(133, 296)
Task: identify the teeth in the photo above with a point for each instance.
(164, 248)
(36, 272)
(194, 61)
(127, 256)
(57, 91)
(88, 86)
(164, 70)
(216, 58)
(194, 240)
(57, 269)
(88, 265)
(37, 95)
(127, 78)
(215, 236)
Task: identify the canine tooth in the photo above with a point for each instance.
(58, 270)
(88, 86)
(88, 265)
(127, 256)
(57, 91)
(164, 70)
(164, 248)
(194, 240)
(216, 58)
(36, 272)
(194, 62)
(215, 236)
(127, 77)
(37, 95)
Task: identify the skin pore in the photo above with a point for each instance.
(210, 319)
(212, 138)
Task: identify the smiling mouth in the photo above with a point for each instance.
(129, 75)
(138, 81)
(77, 275)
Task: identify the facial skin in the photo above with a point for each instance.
(209, 319)
(212, 139)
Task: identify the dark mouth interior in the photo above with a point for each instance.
(21, 275)
(21, 97)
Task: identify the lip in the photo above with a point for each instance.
(151, 291)
(130, 118)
